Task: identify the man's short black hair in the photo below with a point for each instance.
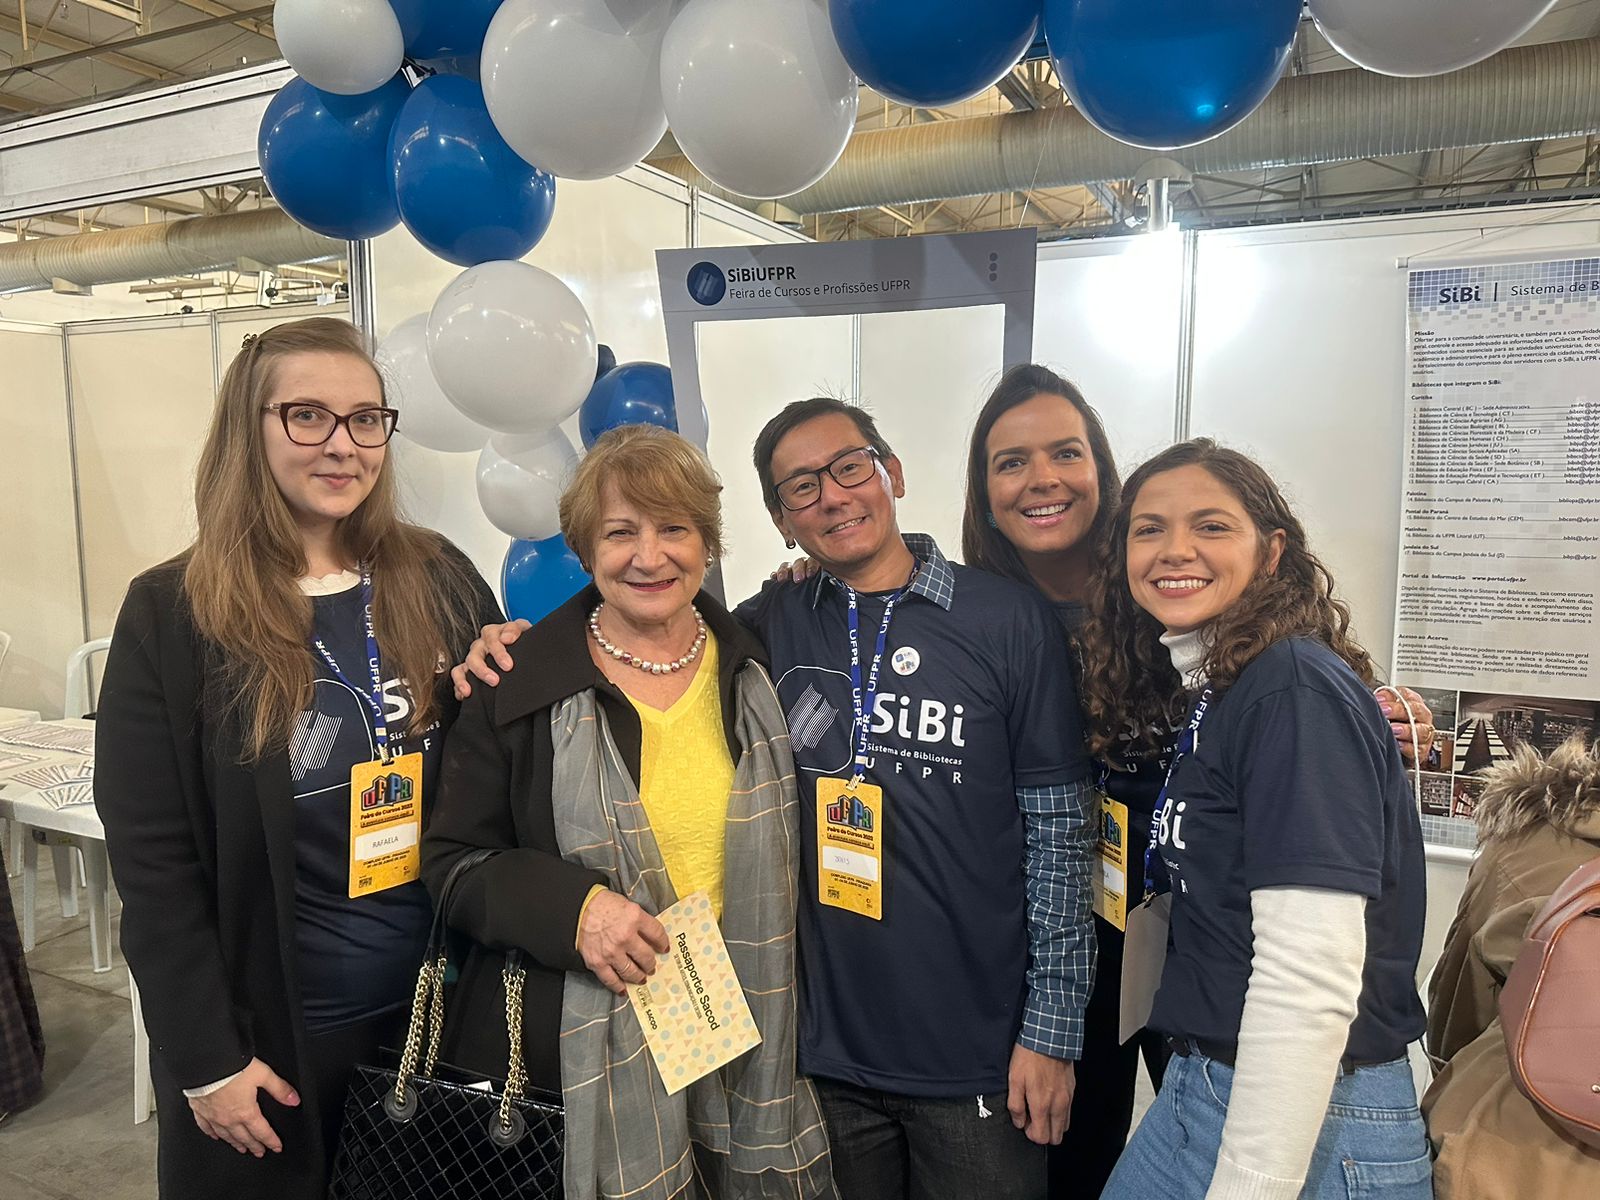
(797, 414)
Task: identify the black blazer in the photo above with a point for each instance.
(202, 850)
(494, 793)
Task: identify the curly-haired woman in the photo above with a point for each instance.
(1289, 839)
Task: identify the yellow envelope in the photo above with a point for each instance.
(692, 1010)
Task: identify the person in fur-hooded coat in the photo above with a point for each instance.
(1538, 821)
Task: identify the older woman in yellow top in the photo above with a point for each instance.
(634, 755)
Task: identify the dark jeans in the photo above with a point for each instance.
(335, 1056)
(892, 1147)
(1102, 1100)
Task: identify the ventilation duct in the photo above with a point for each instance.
(270, 237)
(1531, 93)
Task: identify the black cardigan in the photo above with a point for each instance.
(202, 850)
(495, 794)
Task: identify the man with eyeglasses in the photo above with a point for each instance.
(946, 951)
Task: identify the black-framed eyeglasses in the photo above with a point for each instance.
(850, 469)
(313, 425)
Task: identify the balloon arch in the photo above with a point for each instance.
(456, 118)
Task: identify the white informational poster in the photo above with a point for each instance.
(1500, 516)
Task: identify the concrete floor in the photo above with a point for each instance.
(79, 1142)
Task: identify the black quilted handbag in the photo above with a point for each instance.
(416, 1134)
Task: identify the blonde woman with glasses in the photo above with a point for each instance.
(268, 738)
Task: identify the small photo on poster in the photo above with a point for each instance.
(1492, 725)
(1443, 703)
(1464, 797)
(1436, 794)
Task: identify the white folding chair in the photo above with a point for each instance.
(73, 827)
(79, 698)
(81, 688)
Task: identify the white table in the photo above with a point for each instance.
(73, 826)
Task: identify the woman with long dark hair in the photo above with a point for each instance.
(267, 739)
(1287, 836)
(1042, 493)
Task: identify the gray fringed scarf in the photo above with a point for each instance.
(752, 1127)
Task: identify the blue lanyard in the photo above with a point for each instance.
(865, 700)
(1188, 743)
(380, 728)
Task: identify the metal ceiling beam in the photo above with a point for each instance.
(133, 14)
(212, 9)
(109, 52)
(46, 37)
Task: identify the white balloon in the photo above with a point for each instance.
(426, 415)
(520, 481)
(574, 86)
(757, 93)
(512, 347)
(343, 46)
(1424, 37)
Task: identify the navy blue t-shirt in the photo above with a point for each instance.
(357, 958)
(974, 702)
(1296, 782)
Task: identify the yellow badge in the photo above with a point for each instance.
(385, 824)
(850, 846)
(1111, 883)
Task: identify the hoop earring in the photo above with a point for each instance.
(789, 542)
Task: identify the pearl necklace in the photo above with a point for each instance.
(633, 660)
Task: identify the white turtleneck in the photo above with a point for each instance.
(1188, 652)
(1307, 953)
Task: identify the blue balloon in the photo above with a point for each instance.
(637, 393)
(930, 53)
(605, 359)
(326, 157)
(1169, 73)
(539, 577)
(462, 192)
(444, 28)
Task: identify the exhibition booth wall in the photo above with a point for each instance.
(1288, 341)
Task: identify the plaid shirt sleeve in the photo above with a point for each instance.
(1057, 867)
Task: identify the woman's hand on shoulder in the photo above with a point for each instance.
(619, 941)
(1401, 724)
(491, 642)
(798, 571)
(233, 1114)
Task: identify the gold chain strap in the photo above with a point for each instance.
(419, 1009)
(436, 1015)
(516, 1069)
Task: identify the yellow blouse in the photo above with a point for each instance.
(685, 774)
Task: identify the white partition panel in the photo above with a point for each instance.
(142, 394)
(1300, 341)
(1108, 320)
(41, 602)
(924, 375)
(602, 245)
(748, 371)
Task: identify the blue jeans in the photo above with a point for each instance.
(891, 1147)
(1373, 1145)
